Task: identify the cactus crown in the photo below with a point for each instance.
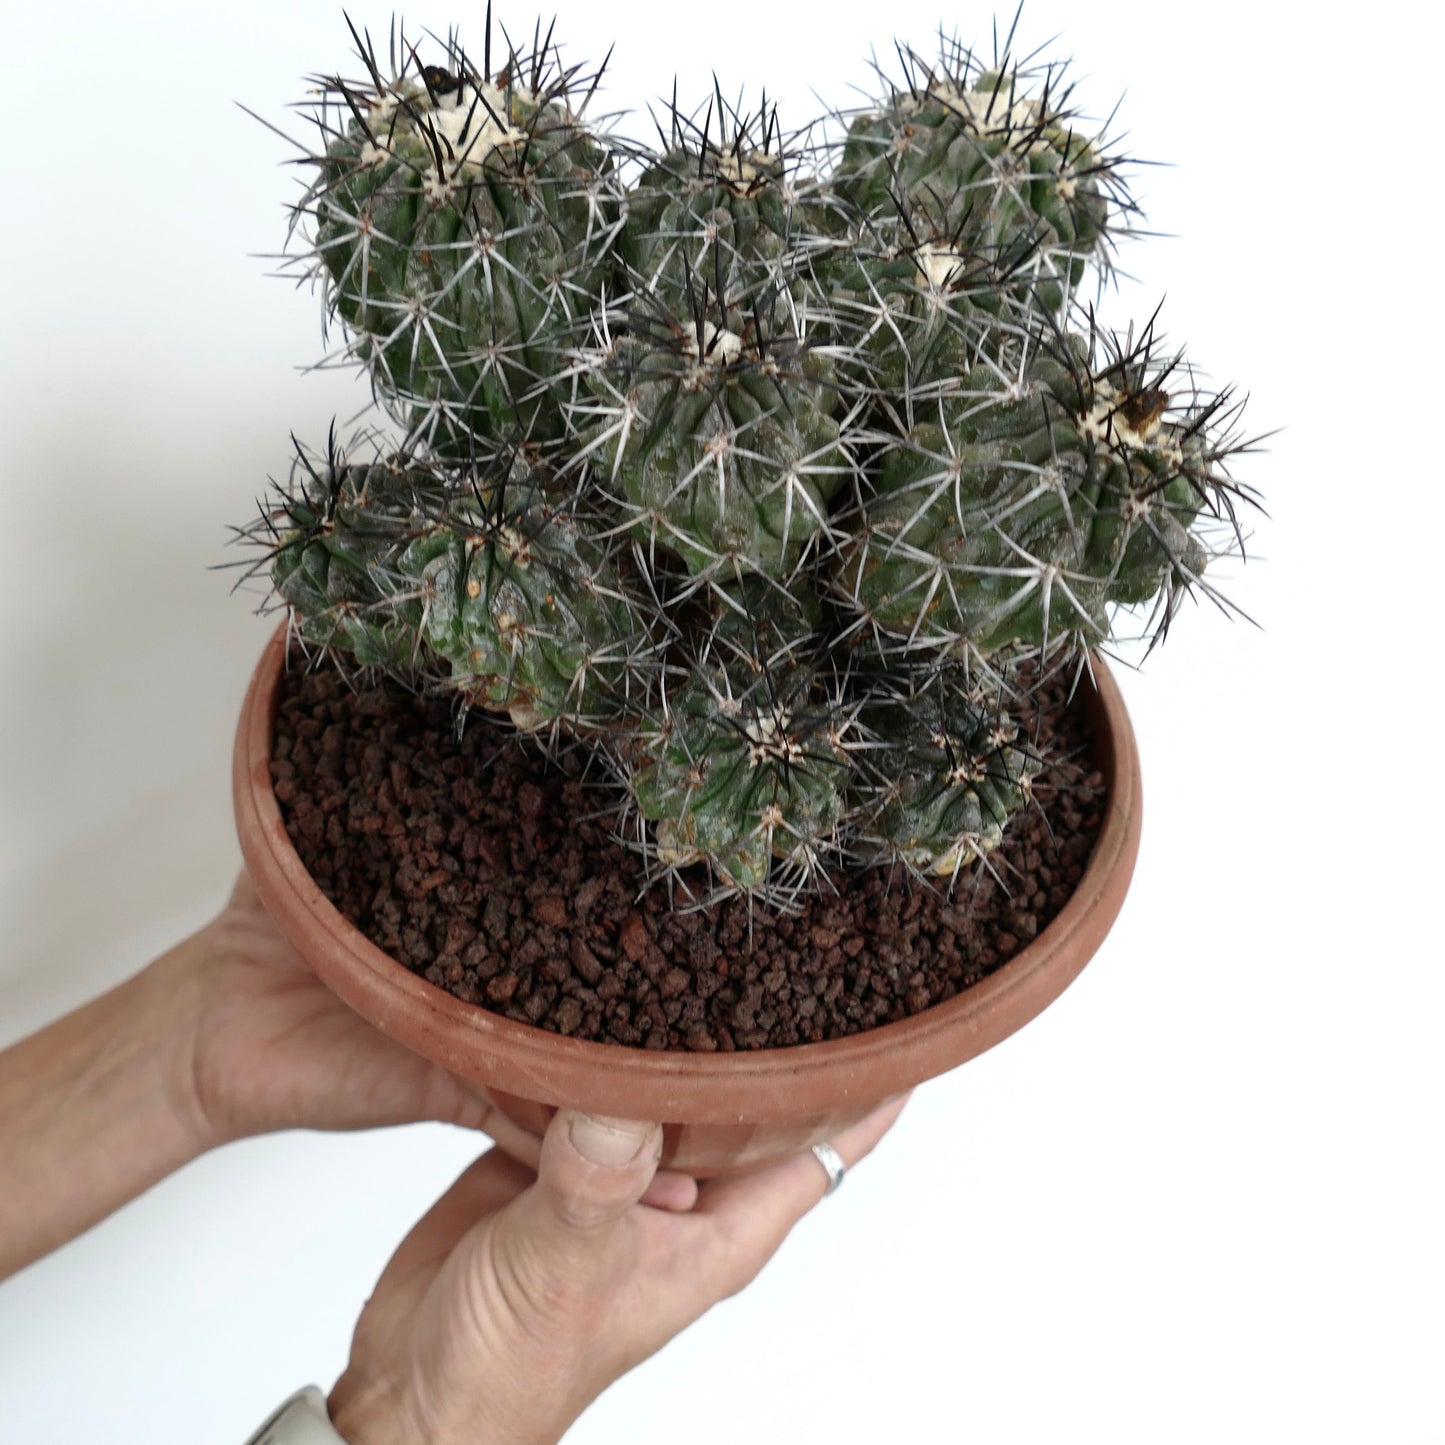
(774, 468)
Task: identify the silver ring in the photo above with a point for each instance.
(832, 1161)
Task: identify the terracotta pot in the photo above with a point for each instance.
(723, 1113)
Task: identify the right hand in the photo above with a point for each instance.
(519, 1298)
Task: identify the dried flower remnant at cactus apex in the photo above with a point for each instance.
(772, 467)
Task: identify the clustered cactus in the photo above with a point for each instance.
(772, 467)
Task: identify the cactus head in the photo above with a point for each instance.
(462, 218)
(945, 770)
(728, 181)
(1020, 513)
(713, 420)
(746, 767)
(490, 583)
(998, 157)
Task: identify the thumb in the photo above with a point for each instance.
(593, 1169)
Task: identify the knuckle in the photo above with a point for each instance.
(579, 1212)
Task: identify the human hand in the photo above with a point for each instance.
(225, 1035)
(271, 1047)
(518, 1298)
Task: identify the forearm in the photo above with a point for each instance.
(94, 1110)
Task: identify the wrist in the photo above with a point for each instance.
(301, 1420)
(171, 1007)
(372, 1413)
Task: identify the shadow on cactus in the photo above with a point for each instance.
(774, 468)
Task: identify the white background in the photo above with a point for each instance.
(1200, 1199)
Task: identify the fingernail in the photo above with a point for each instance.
(611, 1142)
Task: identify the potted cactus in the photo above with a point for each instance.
(774, 475)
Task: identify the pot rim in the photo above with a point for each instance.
(677, 1086)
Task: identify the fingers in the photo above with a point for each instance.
(668, 1190)
(565, 1233)
(594, 1169)
(472, 1107)
(676, 1193)
(752, 1214)
(795, 1185)
(574, 1184)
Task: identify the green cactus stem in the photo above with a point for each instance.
(1020, 513)
(944, 773)
(999, 153)
(748, 762)
(732, 181)
(755, 464)
(463, 220)
(714, 426)
(488, 581)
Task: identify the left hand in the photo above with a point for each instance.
(225, 1035)
(271, 1047)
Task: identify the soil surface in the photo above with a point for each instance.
(496, 874)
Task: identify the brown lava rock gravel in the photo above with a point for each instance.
(496, 874)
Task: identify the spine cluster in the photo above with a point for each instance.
(773, 467)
